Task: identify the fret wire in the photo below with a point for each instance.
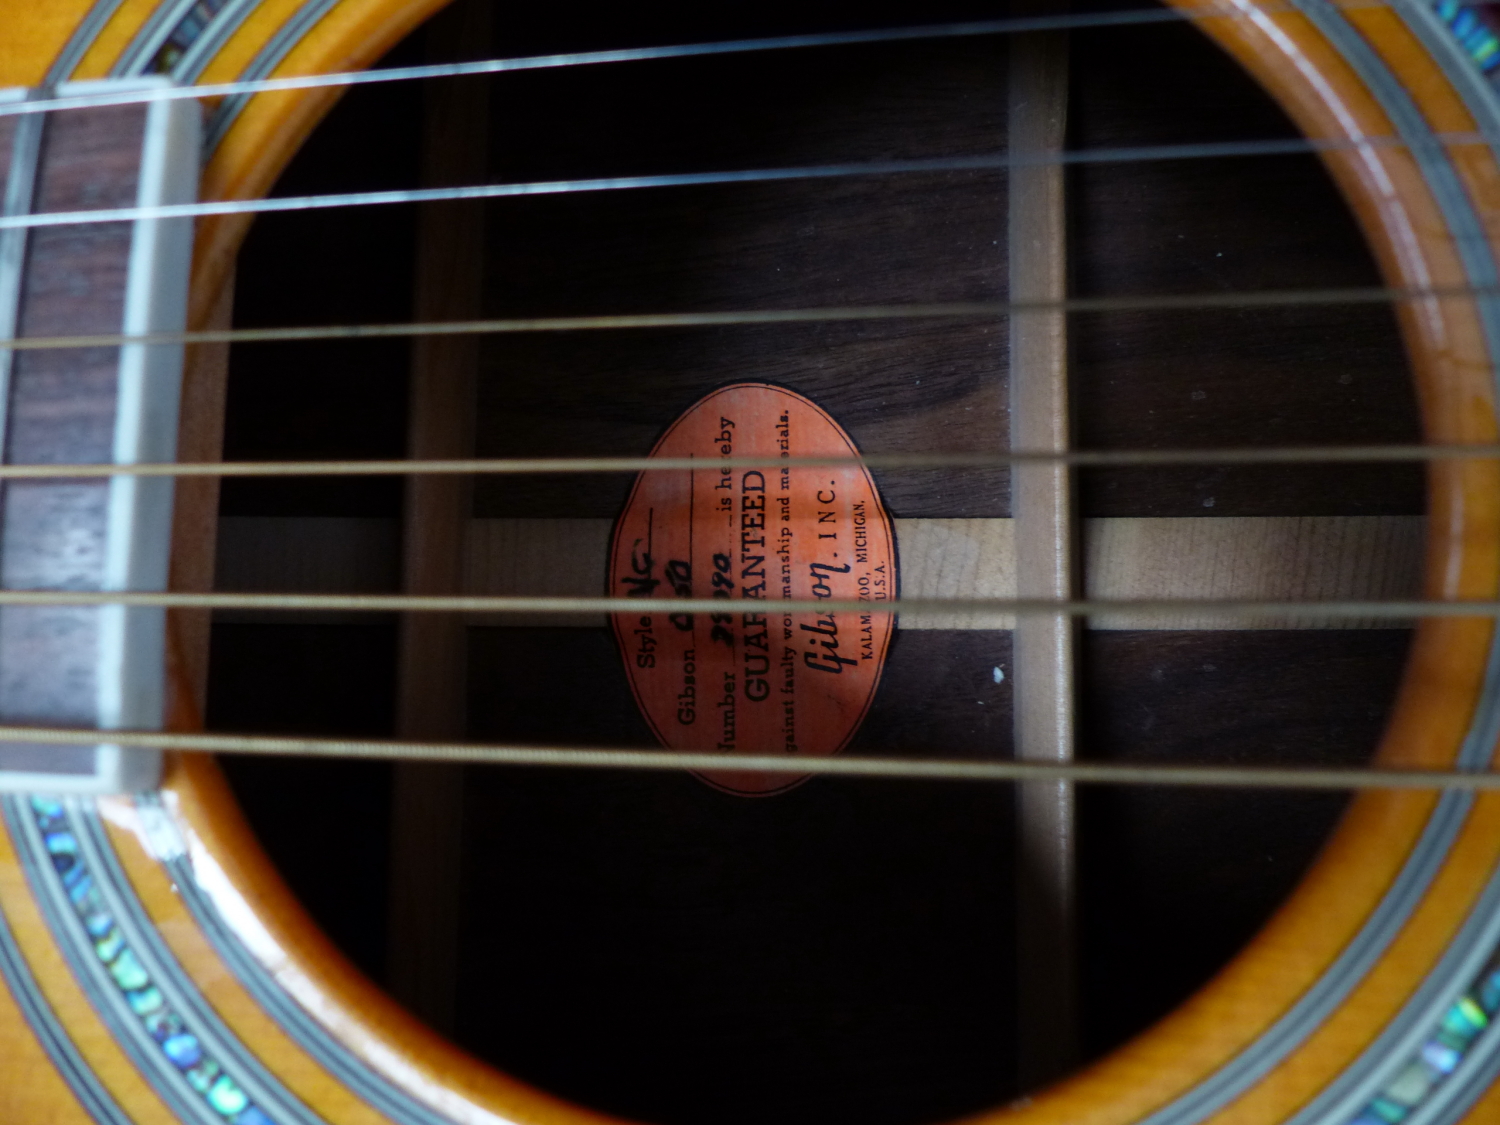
(1340, 608)
(957, 310)
(986, 162)
(1102, 773)
(1142, 16)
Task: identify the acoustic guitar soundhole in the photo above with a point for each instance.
(641, 942)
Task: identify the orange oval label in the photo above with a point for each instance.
(752, 679)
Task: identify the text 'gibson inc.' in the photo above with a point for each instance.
(751, 678)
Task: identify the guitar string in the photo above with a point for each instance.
(933, 769)
(982, 162)
(966, 29)
(966, 310)
(775, 316)
(1261, 299)
(526, 466)
(1156, 608)
(772, 316)
(570, 605)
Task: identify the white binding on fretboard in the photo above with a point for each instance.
(129, 671)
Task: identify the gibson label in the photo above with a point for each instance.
(754, 679)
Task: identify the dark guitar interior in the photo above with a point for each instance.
(640, 942)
